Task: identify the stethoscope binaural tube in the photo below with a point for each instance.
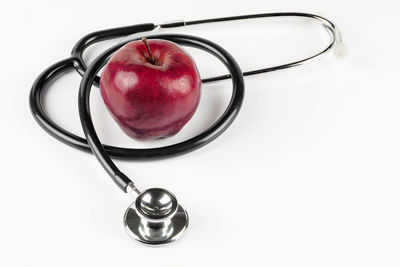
(95, 37)
(191, 144)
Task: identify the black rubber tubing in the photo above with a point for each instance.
(92, 142)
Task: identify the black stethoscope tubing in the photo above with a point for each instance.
(183, 147)
(104, 152)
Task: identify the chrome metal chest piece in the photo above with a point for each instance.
(156, 218)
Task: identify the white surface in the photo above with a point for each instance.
(308, 175)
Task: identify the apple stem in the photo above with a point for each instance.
(150, 58)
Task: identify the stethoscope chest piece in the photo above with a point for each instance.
(156, 218)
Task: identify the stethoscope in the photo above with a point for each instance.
(155, 217)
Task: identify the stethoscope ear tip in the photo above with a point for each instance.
(340, 50)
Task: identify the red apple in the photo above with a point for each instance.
(151, 88)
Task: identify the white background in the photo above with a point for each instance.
(308, 174)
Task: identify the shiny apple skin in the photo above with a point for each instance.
(147, 100)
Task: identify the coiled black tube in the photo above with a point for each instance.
(103, 152)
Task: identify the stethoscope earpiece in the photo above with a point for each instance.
(156, 218)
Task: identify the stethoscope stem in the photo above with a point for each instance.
(132, 189)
